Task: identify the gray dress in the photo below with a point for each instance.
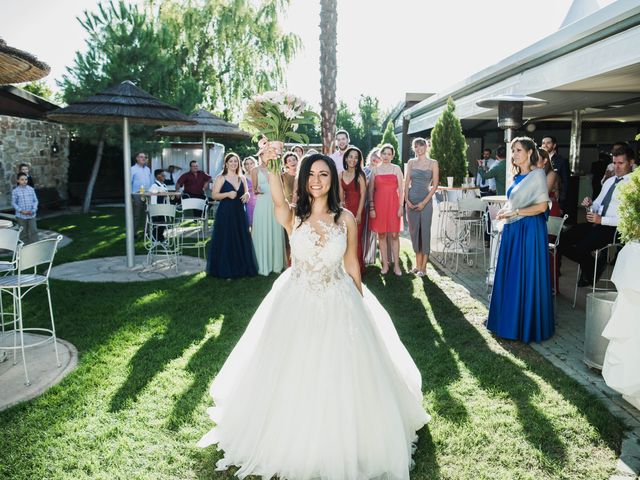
(420, 221)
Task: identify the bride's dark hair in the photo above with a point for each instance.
(305, 200)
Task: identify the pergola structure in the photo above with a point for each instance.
(205, 125)
(122, 104)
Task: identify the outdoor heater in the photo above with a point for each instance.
(510, 108)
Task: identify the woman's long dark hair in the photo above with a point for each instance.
(359, 170)
(305, 200)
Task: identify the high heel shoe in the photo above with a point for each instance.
(384, 270)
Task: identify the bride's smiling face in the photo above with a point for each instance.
(319, 181)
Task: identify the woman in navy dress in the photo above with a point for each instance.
(521, 302)
(231, 253)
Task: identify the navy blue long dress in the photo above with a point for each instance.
(231, 253)
(521, 302)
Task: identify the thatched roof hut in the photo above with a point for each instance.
(120, 101)
(123, 103)
(17, 66)
(206, 123)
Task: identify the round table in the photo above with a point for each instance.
(494, 203)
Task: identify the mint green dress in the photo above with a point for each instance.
(267, 234)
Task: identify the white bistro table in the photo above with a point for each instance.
(445, 207)
(494, 204)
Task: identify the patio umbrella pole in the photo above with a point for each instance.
(128, 207)
(205, 167)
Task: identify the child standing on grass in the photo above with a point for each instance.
(25, 203)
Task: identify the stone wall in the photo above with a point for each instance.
(23, 140)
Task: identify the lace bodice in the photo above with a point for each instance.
(317, 252)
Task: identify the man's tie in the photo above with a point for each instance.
(607, 198)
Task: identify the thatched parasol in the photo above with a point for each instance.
(122, 103)
(207, 124)
(17, 66)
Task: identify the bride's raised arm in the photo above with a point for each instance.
(283, 211)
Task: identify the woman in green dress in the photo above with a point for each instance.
(267, 234)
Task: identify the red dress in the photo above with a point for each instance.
(351, 202)
(386, 205)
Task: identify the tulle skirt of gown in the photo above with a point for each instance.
(318, 387)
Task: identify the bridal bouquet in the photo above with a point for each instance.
(274, 117)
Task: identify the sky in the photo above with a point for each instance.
(385, 48)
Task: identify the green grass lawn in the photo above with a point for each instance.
(135, 406)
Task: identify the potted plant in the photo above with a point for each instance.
(620, 369)
(449, 146)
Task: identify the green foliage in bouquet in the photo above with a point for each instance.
(448, 145)
(629, 224)
(277, 116)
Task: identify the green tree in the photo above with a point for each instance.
(449, 146)
(369, 110)
(41, 89)
(210, 54)
(312, 131)
(390, 137)
(232, 48)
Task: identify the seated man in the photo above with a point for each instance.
(578, 242)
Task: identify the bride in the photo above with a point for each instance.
(319, 386)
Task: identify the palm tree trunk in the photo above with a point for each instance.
(328, 72)
(86, 205)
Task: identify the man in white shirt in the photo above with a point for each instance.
(140, 182)
(342, 142)
(158, 186)
(578, 242)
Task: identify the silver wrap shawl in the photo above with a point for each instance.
(531, 190)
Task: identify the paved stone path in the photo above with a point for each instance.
(114, 269)
(41, 366)
(565, 351)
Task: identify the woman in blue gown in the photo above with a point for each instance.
(231, 253)
(521, 302)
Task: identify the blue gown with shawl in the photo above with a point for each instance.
(521, 302)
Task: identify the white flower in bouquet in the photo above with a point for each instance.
(276, 116)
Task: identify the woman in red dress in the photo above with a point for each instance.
(553, 185)
(385, 207)
(353, 188)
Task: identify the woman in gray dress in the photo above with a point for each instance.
(420, 183)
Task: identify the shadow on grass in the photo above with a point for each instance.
(496, 374)
(205, 364)
(185, 327)
(427, 346)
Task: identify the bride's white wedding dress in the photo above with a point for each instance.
(319, 386)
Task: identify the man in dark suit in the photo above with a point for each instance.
(603, 216)
(559, 165)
